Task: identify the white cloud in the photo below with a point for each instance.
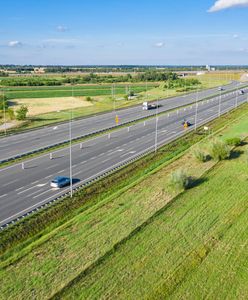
(224, 4)
(61, 28)
(159, 44)
(235, 36)
(15, 44)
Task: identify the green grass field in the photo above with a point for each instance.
(66, 91)
(141, 242)
(194, 249)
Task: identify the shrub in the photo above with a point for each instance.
(11, 114)
(21, 113)
(235, 141)
(179, 180)
(219, 150)
(199, 155)
(89, 99)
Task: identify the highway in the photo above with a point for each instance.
(19, 144)
(22, 190)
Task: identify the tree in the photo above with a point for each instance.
(21, 113)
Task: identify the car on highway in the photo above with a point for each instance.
(186, 124)
(60, 181)
(221, 88)
(241, 92)
(148, 106)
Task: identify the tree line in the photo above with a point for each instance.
(89, 78)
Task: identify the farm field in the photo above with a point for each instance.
(41, 114)
(66, 91)
(142, 242)
(56, 104)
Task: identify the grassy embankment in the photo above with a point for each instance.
(195, 248)
(139, 241)
(101, 96)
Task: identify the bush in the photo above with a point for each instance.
(199, 155)
(179, 180)
(21, 113)
(235, 141)
(219, 150)
(11, 114)
(89, 99)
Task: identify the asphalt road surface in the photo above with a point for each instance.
(23, 190)
(20, 144)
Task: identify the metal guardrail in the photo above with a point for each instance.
(118, 166)
(107, 129)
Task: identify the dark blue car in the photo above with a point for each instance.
(60, 181)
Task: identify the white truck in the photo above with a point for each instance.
(147, 106)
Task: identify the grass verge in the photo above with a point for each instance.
(59, 254)
(194, 248)
(60, 212)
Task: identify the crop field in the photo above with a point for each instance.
(67, 91)
(46, 105)
(146, 241)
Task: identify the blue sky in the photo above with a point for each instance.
(124, 32)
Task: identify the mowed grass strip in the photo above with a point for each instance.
(77, 246)
(196, 248)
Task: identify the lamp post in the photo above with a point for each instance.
(219, 104)
(196, 106)
(70, 137)
(156, 129)
(236, 99)
(4, 115)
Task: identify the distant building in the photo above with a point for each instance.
(208, 68)
(38, 71)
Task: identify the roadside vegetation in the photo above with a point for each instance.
(194, 248)
(138, 238)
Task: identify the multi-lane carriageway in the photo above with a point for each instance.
(15, 145)
(22, 191)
